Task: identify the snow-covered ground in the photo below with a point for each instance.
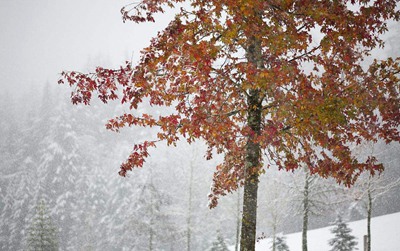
(385, 231)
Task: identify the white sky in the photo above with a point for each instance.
(41, 38)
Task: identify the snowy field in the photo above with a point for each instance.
(385, 231)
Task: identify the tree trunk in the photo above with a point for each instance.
(151, 223)
(253, 153)
(249, 217)
(151, 230)
(252, 165)
(369, 213)
(305, 212)
(274, 238)
(189, 216)
(237, 221)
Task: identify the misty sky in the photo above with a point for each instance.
(40, 38)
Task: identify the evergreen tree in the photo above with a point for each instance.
(42, 234)
(280, 244)
(219, 244)
(15, 180)
(343, 240)
(57, 164)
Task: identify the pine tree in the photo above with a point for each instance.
(343, 240)
(42, 234)
(219, 244)
(280, 244)
(15, 179)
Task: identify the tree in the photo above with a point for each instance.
(343, 240)
(312, 196)
(17, 172)
(238, 221)
(282, 78)
(42, 232)
(138, 216)
(59, 159)
(12, 177)
(366, 191)
(369, 188)
(16, 211)
(280, 244)
(219, 244)
(189, 213)
(276, 205)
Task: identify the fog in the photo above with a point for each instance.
(62, 153)
(42, 38)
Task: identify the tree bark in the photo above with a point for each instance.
(249, 217)
(274, 238)
(237, 221)
(305, 212)
(369, 215)
(189, 216)
(151, 224)
(253, 153)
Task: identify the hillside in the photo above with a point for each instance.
(385, 235)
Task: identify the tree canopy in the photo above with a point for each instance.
(261, 82)
(200, 65)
